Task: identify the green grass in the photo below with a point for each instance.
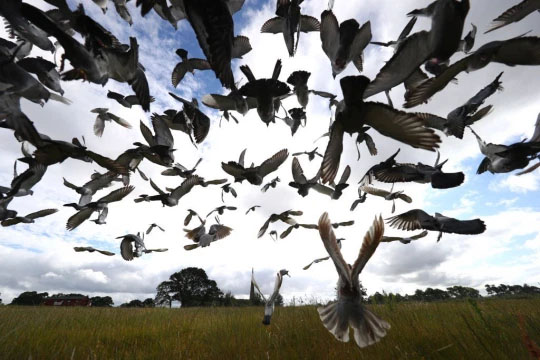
(453, 330)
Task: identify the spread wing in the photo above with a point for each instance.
(409, 220)
(272, 164)
(329, 34)
(80, 217)
(41, 213)
(369, 245)
(329, 240)
(256, 286)
(401, 126)
(117, 194)
(425, 90)
(412, 53)
(298, 172)
(514, 14)
(332, 155)
(374, 191)
(186, 187)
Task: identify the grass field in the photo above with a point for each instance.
(454, 330)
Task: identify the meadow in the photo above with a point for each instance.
(488, 329)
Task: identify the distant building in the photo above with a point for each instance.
(67, 301)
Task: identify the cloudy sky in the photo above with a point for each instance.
(41, 257)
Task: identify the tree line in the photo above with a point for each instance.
(192, 287)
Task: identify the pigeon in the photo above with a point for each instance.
(161, 145)
(465, 115)
(102, 5)
(201, 238)
(221, 209)
(91, 250)
(241, 46)
(274, 235)
(434, 47)
(344, 42)
(194, 118)
(284, 217)
(361, 199)
(316, 261)
(213, 24)
(91, 187)
(468, 41)
(22, 183)
(172, 198)
(515, 14)
(300, 182)
(290, 22)
(253, 208)
(228, 189)
(44, 70)
(102, 205)
(298, 80)
(405, 240)
(349, 310)
(28, 219)
(190, 215)
(126, 101)
(127, 250)
(402, 36)
(267, 92)
(103, 116)
(18, 24)
(521, 50)
(234, 101)
(187, 65)
(507, 158)
(255, 174)
(311, 154)
(152, 226)
(335, 191)
(51, 152)
(180, 170)
(121, 9)
(389, 171)
(294, 119)
(272, 184)
(387, 195)
(354, 114)
(418, 219)
(269, 303)
(297, 226)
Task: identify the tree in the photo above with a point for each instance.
(133, 303)
(0, 299)
(99, 301)
(149, 303)
(164, 294)
(190, 286)
(279, 300)
(463, 292)
(29, 298)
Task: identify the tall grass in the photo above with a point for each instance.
(454, 330)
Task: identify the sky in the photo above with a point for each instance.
(40, 256)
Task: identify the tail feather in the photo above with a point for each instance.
(368, 328)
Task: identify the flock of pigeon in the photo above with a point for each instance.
(102, 58)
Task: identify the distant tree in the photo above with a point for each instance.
(133, 303)
(65, 295)
(191, 286)
(463, 292)
(164, 295)
(149, 303)
(102, 301)
(256, 300)
(1, 300)
(29, 298)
